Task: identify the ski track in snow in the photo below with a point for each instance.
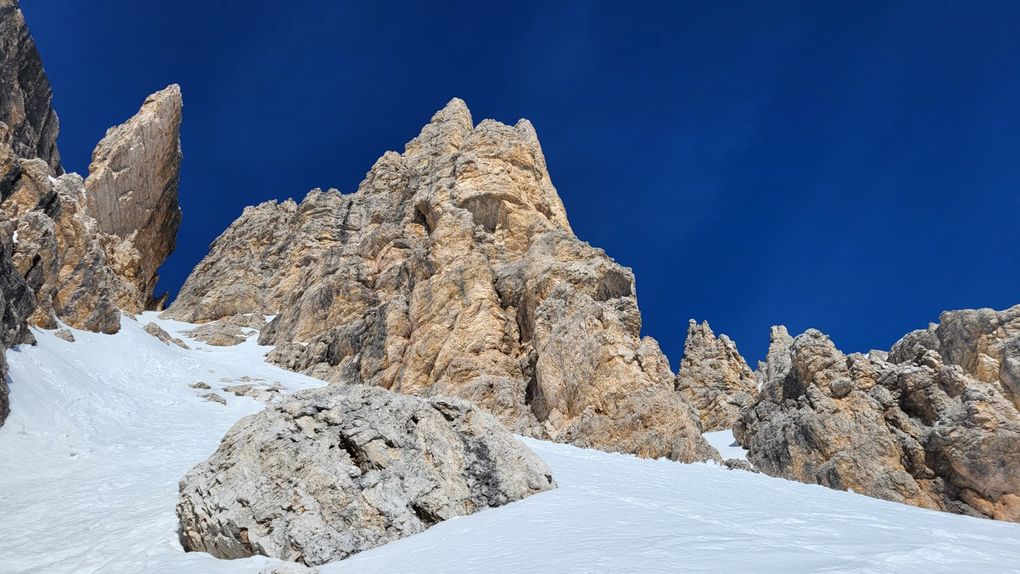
(102, 429)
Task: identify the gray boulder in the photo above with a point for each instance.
(337, 470)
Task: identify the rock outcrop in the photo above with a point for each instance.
(254, 266)
(28, 128)
(59, 261)
(453, 271)
(983, 342)
(334, 471)
(131, 190)
(79, 273)
(914, 426)
(16, 303)
(25, 104)
(158, 332)
(229, 331)
(714, 377)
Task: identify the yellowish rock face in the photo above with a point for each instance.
(453, 270)
(916, 425)
(714, 377)
(86, 263)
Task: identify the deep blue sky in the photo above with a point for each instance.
(853, 166)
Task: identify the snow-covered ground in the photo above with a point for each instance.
(102, 429)
(726, 444)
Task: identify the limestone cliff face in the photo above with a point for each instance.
(26, 97)
(453, 270)
(714, 377)
(28, 127)
(80, 273)
(62, 259)
(916, 426)
(131, 190)
(258, 261)
(16, 303)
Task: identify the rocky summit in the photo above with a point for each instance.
(931, 423)
(453, 270)
(334, 471)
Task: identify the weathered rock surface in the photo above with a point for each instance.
(159, 333)
(26, 95)
(16, 303)
(338, 470)
(983, 342)
(78, 272)
(714, 377)
(258, 261)
(917, 428)
(453, 271)
(59, 262)
(228, 331)
(131, 190)
(28, 128)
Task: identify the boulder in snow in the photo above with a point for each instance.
(341, 469)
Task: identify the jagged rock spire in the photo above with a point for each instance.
(714, 377)
(131, 189)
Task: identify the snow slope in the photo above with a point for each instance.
(727, 445)
(102, 429)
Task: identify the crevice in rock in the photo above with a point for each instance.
(427, 517)
(9, 180)
(421, 219)
(358, 456)
(533, 396)
(485, 210)
(612, 285)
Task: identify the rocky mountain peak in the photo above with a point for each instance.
(453, 270)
